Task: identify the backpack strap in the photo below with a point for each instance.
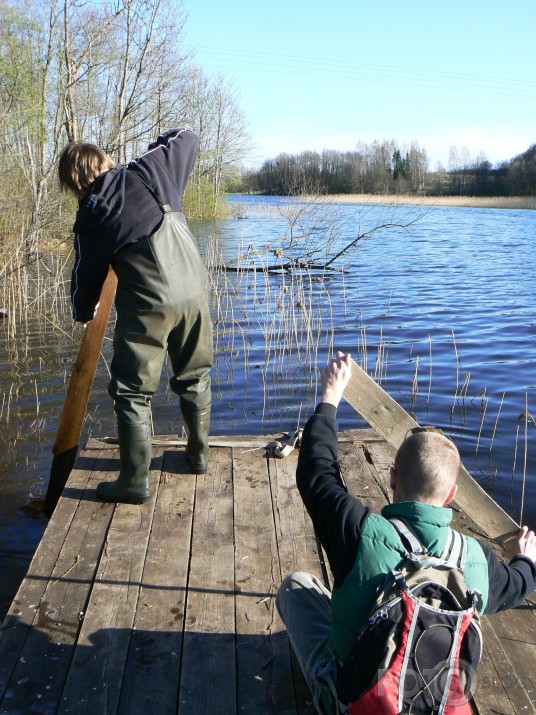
(448, 545)
(455, 551)
(408, 537)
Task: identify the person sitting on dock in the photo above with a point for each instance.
(130, 218)
(363, 547)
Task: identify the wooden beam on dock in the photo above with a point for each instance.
(74, 410)
(394, 424)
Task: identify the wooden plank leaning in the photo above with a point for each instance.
(394, 424)
(74, 409)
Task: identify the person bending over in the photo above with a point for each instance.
(130, 218)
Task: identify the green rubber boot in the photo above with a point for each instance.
(197, 419)
(132, 485)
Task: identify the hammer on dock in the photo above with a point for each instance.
(74, 409)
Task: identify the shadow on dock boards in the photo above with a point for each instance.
(131, 672)
(169, 607)
(134, 671)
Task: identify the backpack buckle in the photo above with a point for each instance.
(400, 581)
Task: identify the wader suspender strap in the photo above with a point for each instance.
(455, 551)
(165, 208)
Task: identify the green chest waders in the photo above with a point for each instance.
(162, 307)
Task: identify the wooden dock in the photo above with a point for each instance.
(169, 607)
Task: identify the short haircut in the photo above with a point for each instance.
(80, 164)
(427, 465)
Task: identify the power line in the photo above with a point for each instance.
(365, 66)
(366, 72)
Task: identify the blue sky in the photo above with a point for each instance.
(316, 75)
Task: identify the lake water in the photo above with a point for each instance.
(440, 311)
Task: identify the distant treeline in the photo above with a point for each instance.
(384, 168)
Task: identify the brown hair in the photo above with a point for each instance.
(427, 465)
(80, 164)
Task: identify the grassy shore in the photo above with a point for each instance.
(482, 202)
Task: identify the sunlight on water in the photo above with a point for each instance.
(440, 313)
(447, 305)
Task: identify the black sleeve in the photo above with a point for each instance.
(92, 262)
(168, 165)
(338, 517)
(509, 584)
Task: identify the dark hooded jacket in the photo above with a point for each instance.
(119, 211)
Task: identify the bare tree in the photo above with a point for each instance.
(231, 140)
(84, 33)
(33, 127)
(418, 166)
(112, 72)
(44, 109)
(212, 109)
(145, 53)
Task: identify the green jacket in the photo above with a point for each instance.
(379, 551)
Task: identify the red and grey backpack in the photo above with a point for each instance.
(418, 652)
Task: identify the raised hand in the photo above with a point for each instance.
(335, 376)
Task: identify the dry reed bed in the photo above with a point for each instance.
(292, 319)
(36, 288)
(478, 202)
(271, 328)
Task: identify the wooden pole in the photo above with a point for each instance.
(394, 424)
(74, 409)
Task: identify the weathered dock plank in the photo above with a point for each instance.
(41, 627)
(208, 663)
(365, 477)
(103, 640)
(298, 549)
(151, 679)
(297, 546)
(169, 607)
(263, 656)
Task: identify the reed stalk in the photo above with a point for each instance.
(465, 386)
(495, 425)
(514, 468)
(415, 384)
(380, 359)
(484, 407)
(364, 353)
(525, 453)
(36, 399)
(457, 372)
(430, 372)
